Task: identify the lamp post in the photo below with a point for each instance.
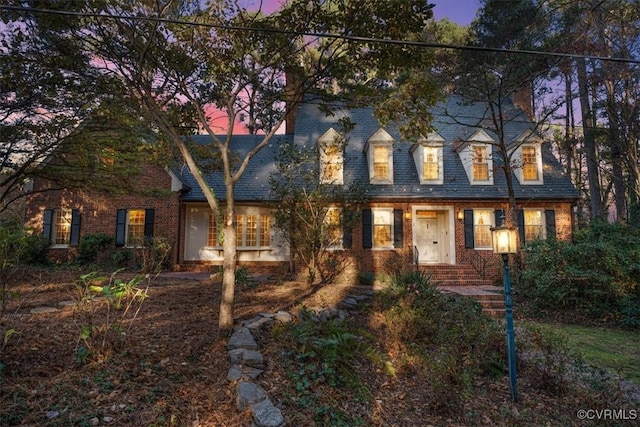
(505, 242)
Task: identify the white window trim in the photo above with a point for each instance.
(54, 227)
(127, 238)
(331, 138)
(543, 222)
(433, 140)
(241, 240)
(492, 220)
(479, 139)
(517, 159)
(380, 139)
(373, 227)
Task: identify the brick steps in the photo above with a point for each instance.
(455, 275)
(489, 297)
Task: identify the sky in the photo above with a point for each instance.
(459, 11)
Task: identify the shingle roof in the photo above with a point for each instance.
(454, 120)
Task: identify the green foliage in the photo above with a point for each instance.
(314, 216)
(444, 338)
(597, 275)
(36, 251)
(123, 258)
(104, 327)
(323, 354)
(154, 255)
(91, 246)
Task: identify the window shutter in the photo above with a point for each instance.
(550, 223)
(75, 228)
(121, 224)
(521, 227)
(500, 216)
(398, 229)
(367, 236)
(148, 223)
(347, 233)
(47, 226)
(468, 229)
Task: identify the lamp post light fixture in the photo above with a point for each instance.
(505, 242)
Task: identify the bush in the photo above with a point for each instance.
(597, 275)
(36, 251)
(93, 245)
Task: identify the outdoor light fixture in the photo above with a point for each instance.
(505, 242)
(460, 214)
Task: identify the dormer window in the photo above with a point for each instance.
(331, 146)
(427, 155)
(527, 159)
(480, 163)
(475, 154)
(379, 150)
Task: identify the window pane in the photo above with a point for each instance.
(252, 230)
(482, 228)
(382, 222)
(239, 230)
(265, 230)
(532, 225)
(380, 163)
(333, 226)
(529, 164)
(480, 165)
(332, 163)
(135, 234)
(212, 234)
(63, 227)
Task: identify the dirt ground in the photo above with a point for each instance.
(172, 368)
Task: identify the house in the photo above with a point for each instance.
(432, 202)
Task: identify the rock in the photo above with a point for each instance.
(256, 323)
(349, 302)
(283, 317)
(242, 356)
(242, 338)
(267, 415)
(249, 394)
(39, 310)
(237, 372)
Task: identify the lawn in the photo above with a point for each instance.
(613, 349)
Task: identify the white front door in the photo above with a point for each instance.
(428, 236)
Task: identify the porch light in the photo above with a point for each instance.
(407, 214)
(505, 242)
(460, 214)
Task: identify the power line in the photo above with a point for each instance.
(322, 35)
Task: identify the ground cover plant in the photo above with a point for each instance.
(373, 368)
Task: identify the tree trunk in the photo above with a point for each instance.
(588, 124)
(225, 322)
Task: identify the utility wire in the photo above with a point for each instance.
(321, 35)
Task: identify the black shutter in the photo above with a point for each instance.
(550, 223)
(47, 226)
(521, 227)
(500, 217)
(149, 215)
(75, 228)
(347, 233)
(468, 229)
(121, 225)
(398, 229)
(367, 236)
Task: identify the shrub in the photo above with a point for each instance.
(154, 255)
(91, 246)
(597, 275)
(36, 251)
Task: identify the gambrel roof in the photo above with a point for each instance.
(455, 124)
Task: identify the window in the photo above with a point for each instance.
(61, 227)
(382, 228)
(533, 225)
(480, 164)
(379, 149)
(252, 231)
(529, 164)
(333, 227)
(482, 223)
(134, 226)
(331, 157)
(430, 166)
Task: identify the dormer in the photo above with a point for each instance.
(379, 150)
(477, 159)
(527, 158)
(331, 150)
(428, 158)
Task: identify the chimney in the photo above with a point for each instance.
(293, 89)
(523, 99)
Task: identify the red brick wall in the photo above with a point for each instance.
(98, 210)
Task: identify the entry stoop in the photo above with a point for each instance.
(490, 297)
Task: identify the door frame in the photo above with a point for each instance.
(448, 233)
